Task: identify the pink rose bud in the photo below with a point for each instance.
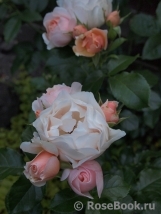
(114, 18)
(109, 110)
(85, 178)
(91, 42)
(78, 30)
(43, 167)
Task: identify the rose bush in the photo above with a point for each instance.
(91, 13)
(59, 24)
(73, 127)
(85, 178)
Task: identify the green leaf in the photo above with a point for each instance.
(36, 5)
(96, 59)
(94, 81)
(151, 78)
(39, 83)
(131, 89)
(30, 16)
(12, 28)
(3, 11)
(158, 12)
(151, 117)
(11, 163)
(17, 1)
(149, 183)
(154, 101)
(115, 188)
(64, 201)
(147, 155)
(157, 163)
(27, 134)
(23, 196)
(152, 48)
(144, 25)
(132, 121)
(122, 62)
(34, 61)
(115, 44)
(69, 68)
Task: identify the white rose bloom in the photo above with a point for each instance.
(74, 128)
(89, 12)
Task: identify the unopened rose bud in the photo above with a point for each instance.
(114, 18)
(109, 110)
(78, 30)
(84, 178)
(42, 168)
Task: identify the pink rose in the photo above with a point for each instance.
(114, 18)
(46, 100)
(109, 109)
(91, 42)
(85, 178)
(43, 167)
(59, 25)
(78, 30)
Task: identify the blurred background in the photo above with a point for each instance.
(27, 69)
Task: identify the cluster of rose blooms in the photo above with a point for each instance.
(72, 128)
(80, 20)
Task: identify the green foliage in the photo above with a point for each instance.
(151, 78)
(11, 163)
(149, 26)
(144, 25)
(12, 28)
(152, 48)
(21, 192)
(64, 201)
(115, 188)
(121, 63)
(131, 89)
(30, 16)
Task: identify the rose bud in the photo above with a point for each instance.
(109, 110)
(78, 30)
(114, 18)
(43, 167)
(85, 178)
(90, 43)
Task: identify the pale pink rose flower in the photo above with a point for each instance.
(43, 167)
(85, 178)
(47, 99)
(110, 112)
(59, 25)
(114, 18)
(78, 30)
(91, 42)
(75, 127)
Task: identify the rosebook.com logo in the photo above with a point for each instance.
(78, 206)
